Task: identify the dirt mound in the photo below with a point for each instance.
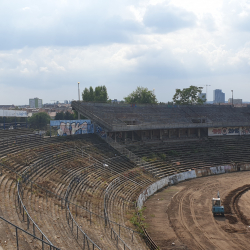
(232, 219)
(231, 205)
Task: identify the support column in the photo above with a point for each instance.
(179, 133)
(115, 136)
(169, 134)
(160, 134)
(151, 136)
(132, 135)
(199, 132)
(188, 132)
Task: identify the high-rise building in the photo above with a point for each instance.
(219, 96)
(36, 103)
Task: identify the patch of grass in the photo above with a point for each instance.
(138, 220)
(162, 156)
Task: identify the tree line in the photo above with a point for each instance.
(141, 95)
(186, 96)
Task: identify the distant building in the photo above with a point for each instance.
(36, 103)
(66, 102)
(114, 101)
(235, 101)
(202, 96)
(219, 96)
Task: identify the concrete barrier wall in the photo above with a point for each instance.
(169, 180)
(175, 179)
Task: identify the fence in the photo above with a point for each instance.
(29, 220)
(17, 229)
(114, 235)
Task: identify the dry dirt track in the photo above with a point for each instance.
(179, 217)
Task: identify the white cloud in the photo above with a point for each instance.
(49, 46)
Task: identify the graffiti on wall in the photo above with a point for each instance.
(224, 131)
(100, 131)
(245, 130)
(72, 127)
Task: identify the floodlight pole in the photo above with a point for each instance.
(232, 98)
(79, 100)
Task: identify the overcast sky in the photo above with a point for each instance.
(47, 46)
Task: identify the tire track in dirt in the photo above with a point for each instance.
(181, 214)
(232, 209)
(186, 208)
(191, 221)
(198, 225)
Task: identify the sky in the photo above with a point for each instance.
(47, 47)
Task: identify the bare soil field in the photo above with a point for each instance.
(180, 216)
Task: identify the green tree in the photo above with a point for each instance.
(64, 116)
(91, 94)
(39, 120)
(188, 96)
(100, 94)
(59, 116)
(141, 95)
(68, 116)
(86, 95)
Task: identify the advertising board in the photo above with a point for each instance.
(13, 113)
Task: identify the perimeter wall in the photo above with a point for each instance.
(175, 179)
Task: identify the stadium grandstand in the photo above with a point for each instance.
(81, 191)
(147, 122)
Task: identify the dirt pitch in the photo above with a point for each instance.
(180, 217)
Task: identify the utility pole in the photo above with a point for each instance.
(79, 100)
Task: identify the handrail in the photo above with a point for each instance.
(62, 198)
(73, 220)
(112, 230)
(106, 194)
(28, 216)
(117, 237)
(26, 232)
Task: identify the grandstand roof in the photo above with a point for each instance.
(126, 117)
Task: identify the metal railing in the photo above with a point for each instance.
(85, 239)
(114, 235)
(81, 236)
(149, 242)
(62, 199)
(24, 212)
(18, 238)
(34, 167)
(117, 239)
